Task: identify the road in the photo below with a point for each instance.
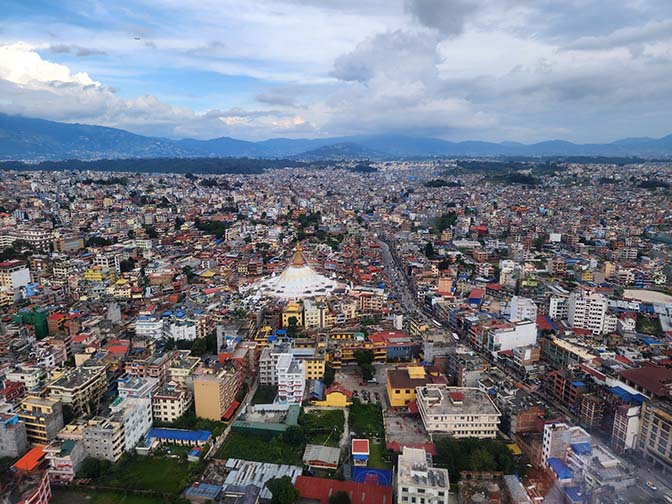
(399, 282)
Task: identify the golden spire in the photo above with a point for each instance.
(298, 259)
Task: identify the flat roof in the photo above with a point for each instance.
(444, 400)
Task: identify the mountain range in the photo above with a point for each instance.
(30, 139)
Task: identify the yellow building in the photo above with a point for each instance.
(43, 418)
(98, 274)
(295, 310)
(401, 383)
(215, 392)
(336, 396)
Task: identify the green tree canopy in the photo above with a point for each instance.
(283, 490)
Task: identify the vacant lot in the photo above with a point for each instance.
(149, 473)
(324, 426)
(264, 395)
(366, 420)
(81, 496)
(260, 449)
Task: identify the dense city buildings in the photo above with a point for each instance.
(227, 318)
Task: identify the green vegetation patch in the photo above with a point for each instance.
(473, 455)
(260, 449)
(324, 426)
(264, 394)
(378, 456)
(81, 496)
(165, 475)
(366, 420)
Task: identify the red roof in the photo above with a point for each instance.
(118, 349)
(320, 489)
(396, 447)
(30, 460)
(232, 409)
(360, 446)
(413, 407)
(652, 379)
(456, 396)
(337, 387)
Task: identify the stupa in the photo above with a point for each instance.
(298, 281)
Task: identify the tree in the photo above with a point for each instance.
(178, 222)
(294, 435)
(127, 265)
(151, 232)
(199, 347)
(429, 250)
(292, 324)
(368, 371)
(329, 375)
(188, 271)
(283, 490)
(339, 497)
(363, 356)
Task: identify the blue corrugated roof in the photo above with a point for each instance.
(578, 384)
(179, 434)
(582, 448)
(650, 341)
(560, 468)
(623, 394)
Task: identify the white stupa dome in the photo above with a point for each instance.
(298, 281)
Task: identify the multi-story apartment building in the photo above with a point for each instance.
(136, 387)
(135, 415)
(104, 438)
(588, 310)
(171, 402)
(557, 437)
(214, 392)
(291, 379)
(460, 412)
(81, 389)
(147, 326)
(13, 436)
(43, 418)
(419, 482)
(655, 439)
(521, 308)
(14, 274)
(557, 307)
(64, 456)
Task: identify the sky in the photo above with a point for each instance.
(497, 70)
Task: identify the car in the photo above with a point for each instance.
(651, 485)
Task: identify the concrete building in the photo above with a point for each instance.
(418, 481)
(459, 412)
(80, 388)
(215, 392)
(521, 308)
(558, 307)
(104, 438)
(43, 418)
(654, 438)
(557, 437)
(588, 310)
(13, 437)
(291, 379)
(14, 274)
(64, 456)
(518, 334)
(135, 414)
(171, 402)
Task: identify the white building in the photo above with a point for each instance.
(135, 415)
(291, 379)
(459, 411)
(557, 307)
(137, 387)
(521, 308)
(588, 310)
(185, 331)
(557, 437)
(14, 275)
(149, 327)
(418, 481)
(519, 334)
(268, 362)
(107, 261)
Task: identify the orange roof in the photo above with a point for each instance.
(30, 460)
(360, 446)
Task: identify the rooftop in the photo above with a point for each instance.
(443, 400)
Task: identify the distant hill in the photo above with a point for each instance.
(29, 139)
(37, 139)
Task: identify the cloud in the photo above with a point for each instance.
(446, 16)
(76, 50)
(625, 37)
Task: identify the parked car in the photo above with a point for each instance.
(651, 485)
